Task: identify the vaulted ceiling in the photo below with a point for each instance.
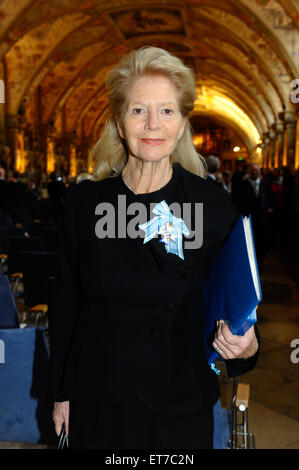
(55, 55)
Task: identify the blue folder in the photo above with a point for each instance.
(232, 290)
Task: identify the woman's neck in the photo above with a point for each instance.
(145, 177)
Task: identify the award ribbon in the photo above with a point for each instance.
(171, 229)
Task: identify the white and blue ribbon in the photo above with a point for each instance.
(213, 367)
(171, 229)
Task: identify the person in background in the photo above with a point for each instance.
(56, 194)
(238, 175)
(226, 180)
(289, 207)
(250, 197)
(213, 165)
(33, 193)
(218, 176)
(3, 190)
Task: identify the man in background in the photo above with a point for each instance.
(213, 165)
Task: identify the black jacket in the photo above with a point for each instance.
(117, 326)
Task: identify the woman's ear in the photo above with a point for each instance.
(119, 128)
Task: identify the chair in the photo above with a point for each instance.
(21, 216)
(39, 267)
(38, 209)
(241, 437)
(25, 406)
(9, 317)
(16, 246)
(4, 233)
(231, 424)
(5, 219)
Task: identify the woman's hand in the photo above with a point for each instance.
(233, 346)
(60, 415)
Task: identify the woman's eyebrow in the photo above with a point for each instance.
(161, 104)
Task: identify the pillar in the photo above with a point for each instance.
(279, 141)
(266, 142)
(272, 145)
(290, 136)
(297, 142)
(2, 104)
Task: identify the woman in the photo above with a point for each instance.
(127, 353)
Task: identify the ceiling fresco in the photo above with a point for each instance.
(55, 54)
(143, 21)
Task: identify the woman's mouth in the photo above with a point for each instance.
(153, 141)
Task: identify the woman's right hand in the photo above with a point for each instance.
(60, 415)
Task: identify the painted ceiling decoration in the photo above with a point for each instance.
(54, 56)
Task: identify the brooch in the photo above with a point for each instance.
(170, 228)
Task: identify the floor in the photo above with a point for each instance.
(273, 412)
(274, 383)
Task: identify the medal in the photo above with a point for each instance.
(170, 228)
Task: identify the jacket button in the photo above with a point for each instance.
(156, 334)
(170, 305)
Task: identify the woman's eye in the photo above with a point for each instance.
(138, 111)
(168, 111)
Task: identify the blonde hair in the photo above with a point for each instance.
(110, 153)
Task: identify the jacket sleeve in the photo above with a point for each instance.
(227, 215)
(66, 297)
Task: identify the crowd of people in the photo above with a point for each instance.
(269, 196)
(17, 189)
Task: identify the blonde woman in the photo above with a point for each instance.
(127, 352)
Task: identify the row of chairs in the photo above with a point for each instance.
(25, 404)
(28, 260)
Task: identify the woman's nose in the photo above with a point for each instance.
(152, 121)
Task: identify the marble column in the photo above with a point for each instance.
(11, 129)
(297, 142)
(266, 142)
(272, 138)
(290, 135)
(2, 104)
(279, 138)
(66, 143)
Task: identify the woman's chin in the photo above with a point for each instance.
(151, 156)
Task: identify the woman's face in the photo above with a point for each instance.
(153, 123)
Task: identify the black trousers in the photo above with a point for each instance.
(130, 425)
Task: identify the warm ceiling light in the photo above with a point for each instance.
(198, 140)
(236, 149)
(213, 103)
